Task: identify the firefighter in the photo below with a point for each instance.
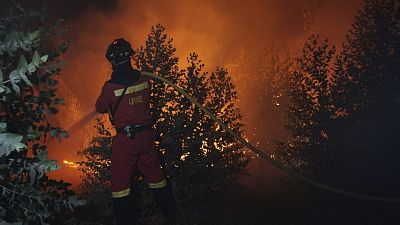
(126, 98)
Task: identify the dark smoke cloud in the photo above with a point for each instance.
(214, 29)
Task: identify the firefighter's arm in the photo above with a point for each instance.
(103, 102)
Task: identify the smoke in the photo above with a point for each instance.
(216, 30)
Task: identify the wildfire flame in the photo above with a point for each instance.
(70, 164)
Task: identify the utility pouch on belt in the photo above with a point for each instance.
(111, 112)
(132, 130)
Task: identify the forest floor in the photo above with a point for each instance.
(269, 197)
(276, 199)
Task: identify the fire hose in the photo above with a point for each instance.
(259, 152)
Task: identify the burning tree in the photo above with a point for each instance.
(195, 152)
(27, 99)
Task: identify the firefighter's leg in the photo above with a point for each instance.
(123, 165)
(124, 212)
(165, 200)
(149, 165)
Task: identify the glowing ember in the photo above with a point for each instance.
(71, 164)
(186, 154)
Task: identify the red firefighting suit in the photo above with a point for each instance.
(139, 151)
(126, 97)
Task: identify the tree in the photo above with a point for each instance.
(28, 97)
(96, 185)
(366, 98)
(183, 134)
(211, 159)
(222, 100)
(308, 110)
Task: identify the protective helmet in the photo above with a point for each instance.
(119, 50)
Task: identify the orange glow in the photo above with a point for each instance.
(217, 30)
(70, 164)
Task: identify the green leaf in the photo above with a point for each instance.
(44, 58)
(33, 135)
(19, 74)
(33, 36)
(36, 59)
(42, 155)
(53, 133)
(64, 134)
(14, 79)
(22, 64)
(10, 142)
(49, 165)
(26, 80)
(14, 76)
(24, 45)
(31, 68)
(4, 88)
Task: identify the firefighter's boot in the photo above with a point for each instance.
(166, 202)
(124, 210)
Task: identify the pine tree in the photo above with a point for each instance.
(309, 109)
(367, 97)
(28, 88)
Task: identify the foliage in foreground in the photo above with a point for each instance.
(27, 100)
